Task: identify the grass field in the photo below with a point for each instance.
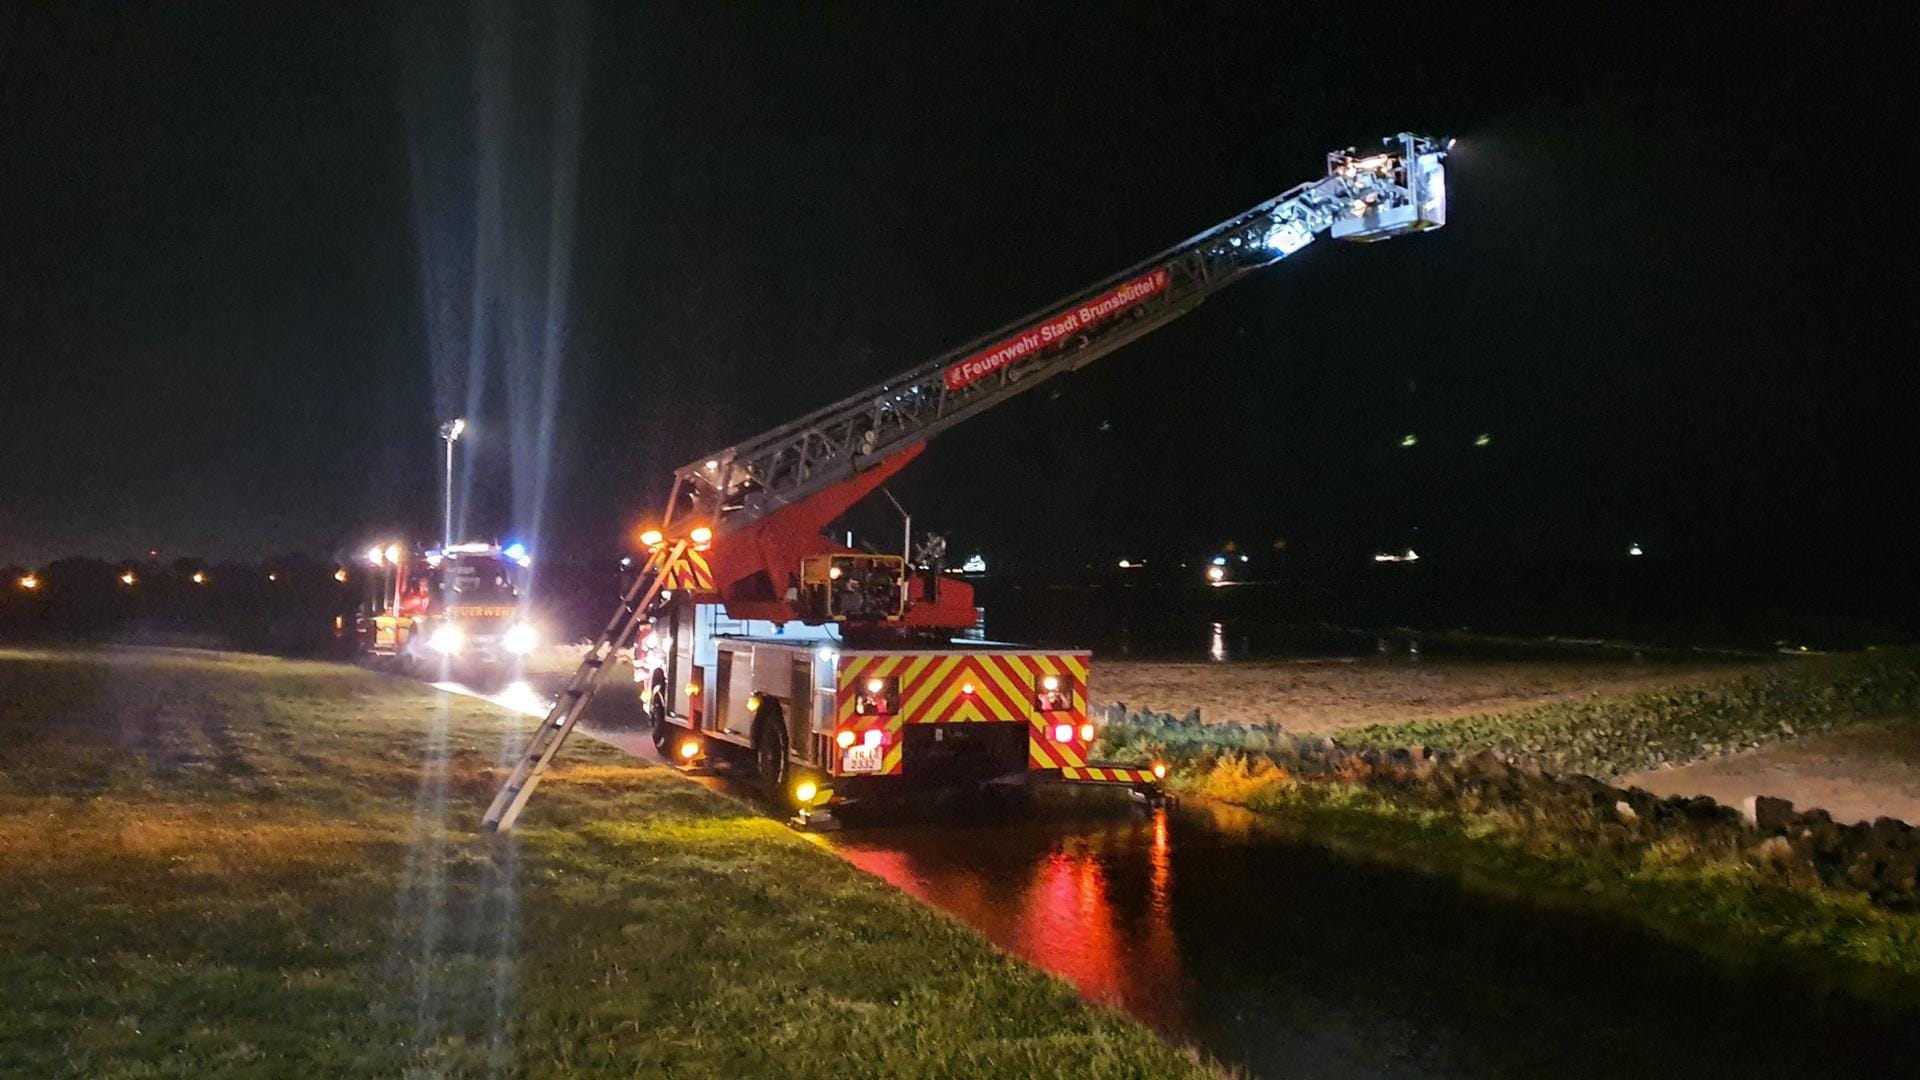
(214, 864)
(1612, 735)
(1329, 696)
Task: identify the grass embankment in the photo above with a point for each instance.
(1609, 735)
(1688, 874)
(1618, 735)
(219, 864)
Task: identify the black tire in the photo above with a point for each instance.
(770, 750)
(662, 730)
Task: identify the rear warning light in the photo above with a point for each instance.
(1063, 732)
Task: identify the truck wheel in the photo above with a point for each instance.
(770, 749)
(657, 714)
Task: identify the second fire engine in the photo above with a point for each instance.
(457, 609)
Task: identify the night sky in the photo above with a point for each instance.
(1676, 288)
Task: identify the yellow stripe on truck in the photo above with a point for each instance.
(930, 681)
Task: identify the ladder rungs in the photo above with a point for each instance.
(572, 700)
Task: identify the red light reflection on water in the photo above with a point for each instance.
(1094, 908)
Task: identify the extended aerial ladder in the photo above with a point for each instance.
(741, 521)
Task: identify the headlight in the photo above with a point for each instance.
(520, 638)
(448, 639)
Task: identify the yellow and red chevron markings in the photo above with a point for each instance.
(957, 688)
(690, 571)
(1110, 774)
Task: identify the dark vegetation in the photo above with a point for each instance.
(294, 605)
(287, 605)
(1608, 736)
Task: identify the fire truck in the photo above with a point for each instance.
(457, 609)
(842, 673)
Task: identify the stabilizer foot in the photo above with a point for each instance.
(818, 821)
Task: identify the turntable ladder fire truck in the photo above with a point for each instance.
(839, 671)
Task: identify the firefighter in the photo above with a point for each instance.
(851, 596)
(416, 600)
(932, 557)
(880, 590)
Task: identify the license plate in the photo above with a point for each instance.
(861, 759)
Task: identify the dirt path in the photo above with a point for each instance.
(1329, 695)
(1855, 775)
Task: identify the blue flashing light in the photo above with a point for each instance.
(1219, 560)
